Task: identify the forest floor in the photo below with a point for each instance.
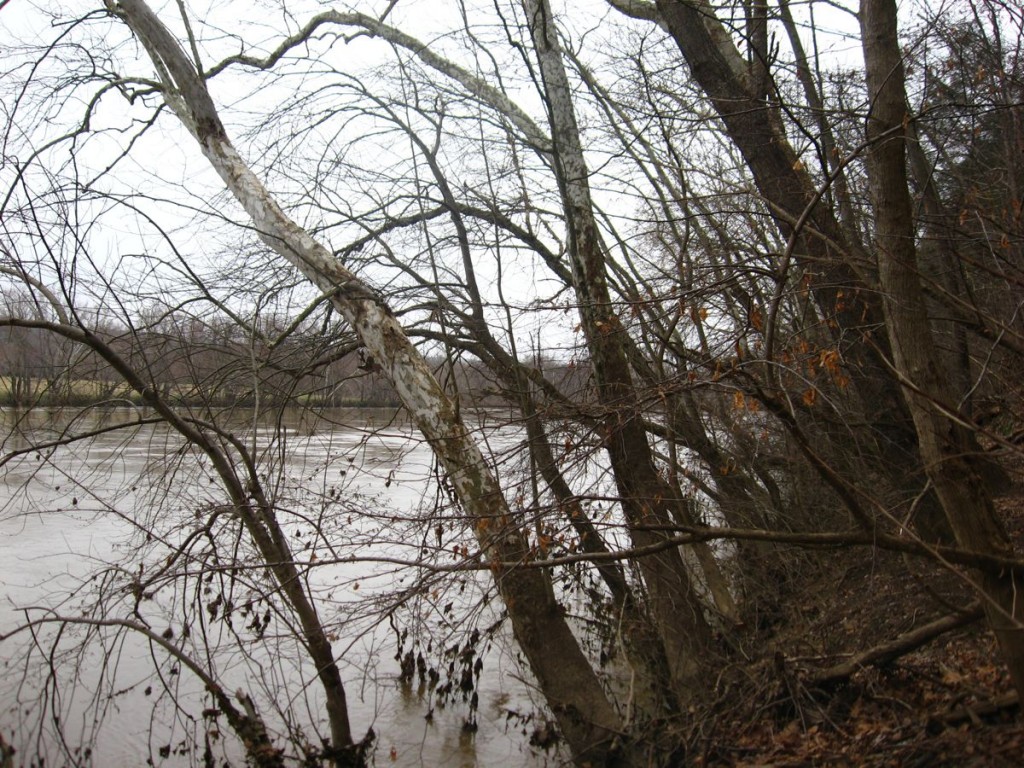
(949, 702)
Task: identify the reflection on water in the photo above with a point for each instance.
(78, 517)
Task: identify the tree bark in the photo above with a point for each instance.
(841, 279)
(585, 716)
(645, 497)
(947, 447)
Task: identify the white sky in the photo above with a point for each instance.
(165, 163)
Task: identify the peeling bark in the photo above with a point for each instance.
(585, 716)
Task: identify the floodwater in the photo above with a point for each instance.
(78, 519)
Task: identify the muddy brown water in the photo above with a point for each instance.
(67, 513)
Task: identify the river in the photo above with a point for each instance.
(76, 520)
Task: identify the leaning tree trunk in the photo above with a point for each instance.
(948, 448)
(585, 716)
(840, 288)
(645, 497)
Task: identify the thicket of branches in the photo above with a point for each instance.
(739, 296)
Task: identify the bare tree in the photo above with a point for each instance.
(719, 325)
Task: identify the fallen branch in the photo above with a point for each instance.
(887, 652)
(975, 712)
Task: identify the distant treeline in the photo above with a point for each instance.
(216, 365)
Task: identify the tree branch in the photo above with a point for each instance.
(889, 651)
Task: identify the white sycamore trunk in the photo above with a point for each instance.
(587, 719)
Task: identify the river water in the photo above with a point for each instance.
(76, 520)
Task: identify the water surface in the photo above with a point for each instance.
(351, 489)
